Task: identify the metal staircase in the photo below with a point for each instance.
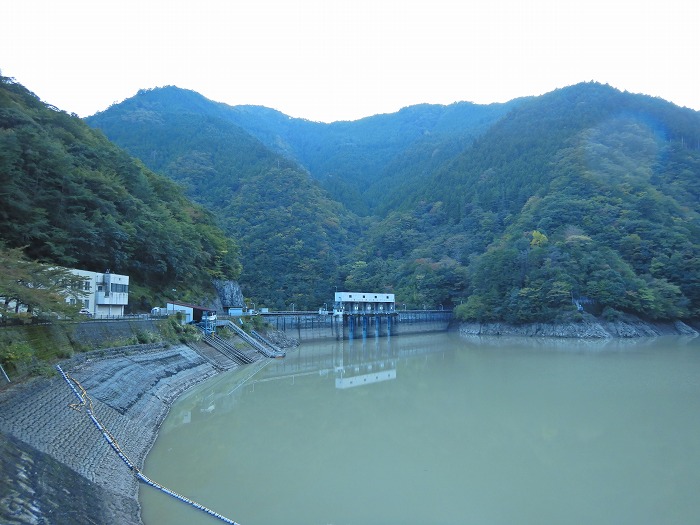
(257, 341)
(263, 340)
(229, 350)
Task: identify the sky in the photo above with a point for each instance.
(328, 60)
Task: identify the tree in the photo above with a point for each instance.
(29, 288)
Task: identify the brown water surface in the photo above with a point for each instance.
(440, 429)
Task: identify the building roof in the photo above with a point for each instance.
(362, 297)
(188, 305)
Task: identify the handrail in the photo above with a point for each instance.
(86, 403)
(227, 349)
(269, 343)
(253, 342)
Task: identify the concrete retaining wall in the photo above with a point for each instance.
(132, 391)
(36, 488)
(98, 332)
(310, 327)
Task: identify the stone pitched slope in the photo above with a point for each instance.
(131, 393)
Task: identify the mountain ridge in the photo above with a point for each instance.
(505, 213)
(70, 197)
(345, 156)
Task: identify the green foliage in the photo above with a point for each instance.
(292, 237)
(26, 349)
(71, 198)
(585, 197)
(31, 290)
(174, 331)
(145, 337)
(14, 354)
(355, 162)
(253, 322)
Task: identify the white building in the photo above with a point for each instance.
(190, 312)
(363, 302)
(106, 293)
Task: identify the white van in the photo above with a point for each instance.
(209, 316)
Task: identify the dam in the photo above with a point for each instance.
(358, 315)
(306, 326)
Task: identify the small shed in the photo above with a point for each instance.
(190, 312)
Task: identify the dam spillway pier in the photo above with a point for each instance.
(353, 315)
(350, 325)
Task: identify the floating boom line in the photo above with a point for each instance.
(86, 403)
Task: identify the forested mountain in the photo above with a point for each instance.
(293, 237)
(70, 197)
(584, 195)
(362, 163)
(359, 163)
(521, 211)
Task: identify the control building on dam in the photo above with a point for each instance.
(358, 315)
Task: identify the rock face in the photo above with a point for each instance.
(589, 328)
(230, 293)
(281, 340)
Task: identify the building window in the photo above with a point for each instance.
(120, 288)
(86, 303)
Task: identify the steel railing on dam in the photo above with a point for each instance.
(313, 325)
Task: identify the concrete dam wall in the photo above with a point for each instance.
(308, 326)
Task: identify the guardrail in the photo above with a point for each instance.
(260, 347)
(228, 350)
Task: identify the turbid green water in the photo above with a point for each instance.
(441, 429)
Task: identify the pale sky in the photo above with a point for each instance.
(329, 60)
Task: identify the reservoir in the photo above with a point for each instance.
(440, 429)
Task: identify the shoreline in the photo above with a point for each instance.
(132, 393)
(56, 467)
(588, 328)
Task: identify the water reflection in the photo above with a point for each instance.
(574, 345)
(364, 364)
(460, 431)
(367, 361)
(352, 363)
(220, 394)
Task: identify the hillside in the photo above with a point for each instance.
(585, 196)
(352, 161)
(361, 163)
(292, 236)
(70, 197)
